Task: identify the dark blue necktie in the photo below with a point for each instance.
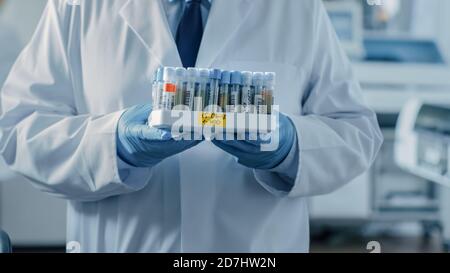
(190, 33)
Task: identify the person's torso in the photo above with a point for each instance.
(201, 200)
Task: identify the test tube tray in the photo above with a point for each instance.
(194, 121)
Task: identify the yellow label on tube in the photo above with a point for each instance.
(213, 119)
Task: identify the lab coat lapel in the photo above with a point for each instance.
(147, 19)
(225, 19)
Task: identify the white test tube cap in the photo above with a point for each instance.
(169, 74)
(247, 78)
(204, 73)
(270, 78)
(192, 72)
(258, 78)
(180, 72)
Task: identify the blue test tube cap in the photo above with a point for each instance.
(215, 74)
(270, 77)
(226, 77)
(258, 78)
(236, 77)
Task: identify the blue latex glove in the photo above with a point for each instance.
(250, 154)
(140, 145)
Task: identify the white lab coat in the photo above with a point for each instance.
(88, 62)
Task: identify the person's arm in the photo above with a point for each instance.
(338, 136)
(42, 137)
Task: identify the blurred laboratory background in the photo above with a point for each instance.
(400, 51)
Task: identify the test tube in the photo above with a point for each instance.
(169, 88)
(247, 92)
(235, 92)
(224, 92)
(181, 83)
(215, 76)
(159, 89)
(258, 85)
(269, 87)
(200, 94)
(155, 80)
(155, 89)
(192, 85)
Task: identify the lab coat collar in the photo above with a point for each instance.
(225, 19)
(149, 22)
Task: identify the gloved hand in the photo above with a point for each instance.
(250, 154)
(140, 145)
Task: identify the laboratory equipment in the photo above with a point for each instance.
(157, 89)
(215, 76)
(248, 92)
(215, 88)
(204, 85)
(347, 19)
(170, 88)
(269, 87)
(236, 91)
(395, 69)
(422, 148)
(386, 195)
(258, 87)
(192, 86)
(154, 88)
(423, 141)
(181, 83)
(221, 91)
(403, 50)
(392, 15)
(224, 93)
